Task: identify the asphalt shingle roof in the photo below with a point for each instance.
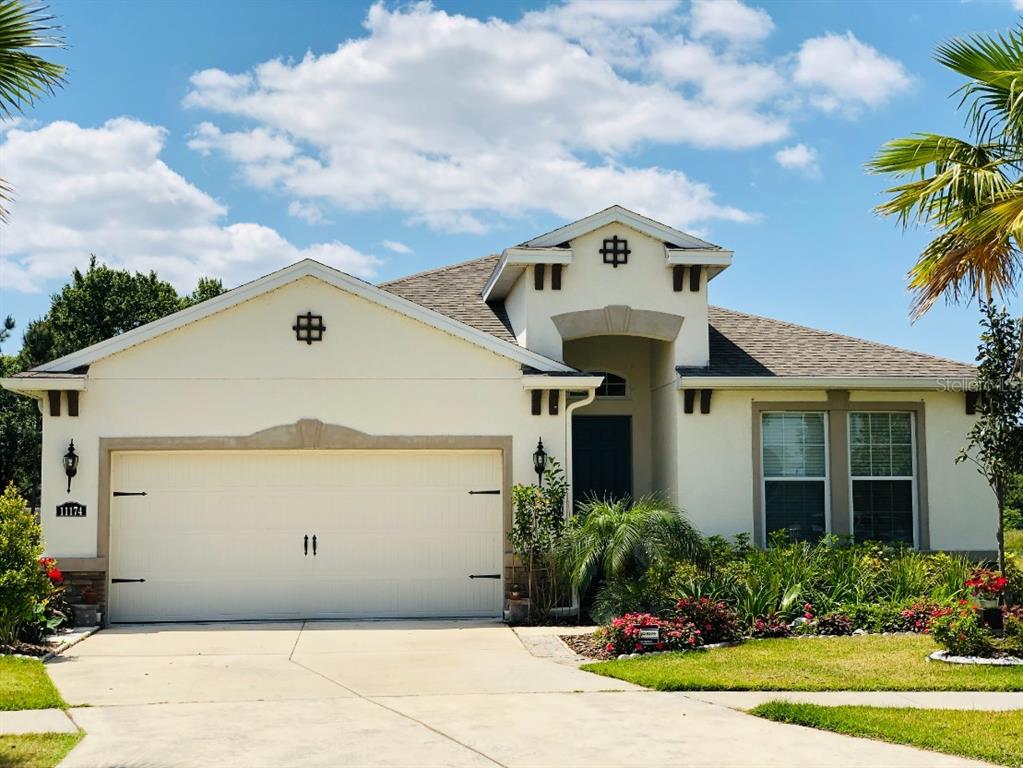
(740, 344)
(455, 291)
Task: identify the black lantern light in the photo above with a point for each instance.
(539, 462)
(70, 464)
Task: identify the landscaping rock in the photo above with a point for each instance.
(998, 661)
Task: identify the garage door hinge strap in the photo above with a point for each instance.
(127, 581)
(484, 576)
(489, 493)
(129, 493)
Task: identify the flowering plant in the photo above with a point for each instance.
(49, 564)
(715, 620)
(834, 623)
(623, 633)
(918, 616)
(985, 583)
(771, 625)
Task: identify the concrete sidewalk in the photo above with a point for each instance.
(36, 721)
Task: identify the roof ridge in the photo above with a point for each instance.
(840, 335)
(434, 270)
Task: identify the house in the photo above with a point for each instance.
(311, 445)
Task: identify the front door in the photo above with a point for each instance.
(601, 457)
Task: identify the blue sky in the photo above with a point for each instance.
(231, 138)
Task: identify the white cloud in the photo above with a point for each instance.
(394, 245)
(843, 73)
(460, 122)
(106, 191)
(799, 157)
(310, 213)
(730, 20)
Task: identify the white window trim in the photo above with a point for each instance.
(914, 479)
(826, 479)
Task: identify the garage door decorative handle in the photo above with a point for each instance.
(484, 576)
(305, 545)
(314, 545)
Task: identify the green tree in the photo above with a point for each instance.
(995, 443)
(968, 191)
(25, 76)
(101, 303)
(20, 422)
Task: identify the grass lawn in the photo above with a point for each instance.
(866, 663)
(36, 750)
(996, 737)
(24, 684)
(1014, 541)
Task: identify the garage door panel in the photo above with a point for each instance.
(219, 534)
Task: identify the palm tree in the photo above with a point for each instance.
(621, 539)
(24, 76)
(970, 191)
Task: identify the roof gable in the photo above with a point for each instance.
(297, 271)
(616, 214)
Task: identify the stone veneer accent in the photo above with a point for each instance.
(74, 581)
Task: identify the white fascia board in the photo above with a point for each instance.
(511, 265)
(532, 381)
(698, 256)
(935, 383)
(34, 385)
(619, 215)
(329, 275)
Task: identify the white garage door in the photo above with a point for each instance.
(223, 535)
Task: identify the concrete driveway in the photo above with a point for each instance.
(399, 693)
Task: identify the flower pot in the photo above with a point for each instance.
(991, 617)
(518, 611)
(85, 615)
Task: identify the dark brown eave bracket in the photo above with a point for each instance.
(689, 400)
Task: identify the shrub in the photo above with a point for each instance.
(715, 620)
(834, 623)
(960, 632)
(622, 634)
(23, 582)
(917, 616)
(771, 625)
(1012, 620)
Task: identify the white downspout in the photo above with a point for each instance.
(591, 395)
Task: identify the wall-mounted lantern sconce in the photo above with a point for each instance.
(539, 462)
(70, 464)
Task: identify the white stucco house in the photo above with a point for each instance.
(311, 445)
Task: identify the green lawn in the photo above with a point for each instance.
(996, 737)
(867, 663)
(1014, 541)
(36, 750)
(24, 684)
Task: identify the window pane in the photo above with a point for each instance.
(883, 510)
(901, 428)
(793, 444)
(859, 459)
(902, 461)
(796, 506)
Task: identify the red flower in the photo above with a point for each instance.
(55, 575)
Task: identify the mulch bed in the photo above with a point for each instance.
(586, 645)
(25, 649)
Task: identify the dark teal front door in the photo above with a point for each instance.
(601, 457)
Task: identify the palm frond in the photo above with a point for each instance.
(25, 76)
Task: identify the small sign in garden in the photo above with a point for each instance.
(649, 635)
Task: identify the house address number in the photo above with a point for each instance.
(70, 509)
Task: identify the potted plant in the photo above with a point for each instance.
(86, 611)
(988, 587)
